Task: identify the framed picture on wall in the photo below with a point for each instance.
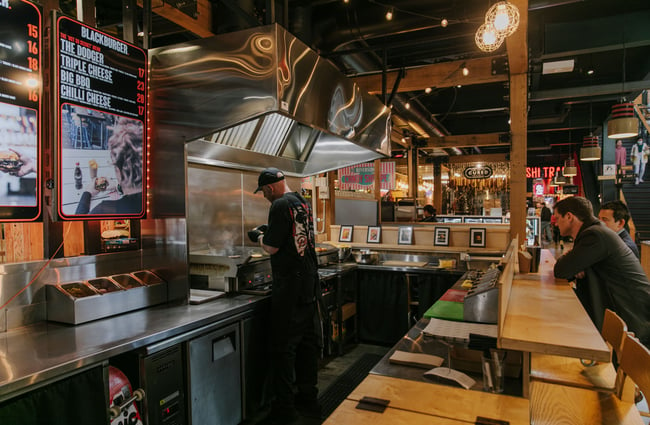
(405, 235)
(441, 236)
(374, 234)
(345, 235)
(477, 237)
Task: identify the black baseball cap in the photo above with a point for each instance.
(268, 176)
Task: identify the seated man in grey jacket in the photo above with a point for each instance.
(612, 278)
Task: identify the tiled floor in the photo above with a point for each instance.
(330, 369)
(334, 367)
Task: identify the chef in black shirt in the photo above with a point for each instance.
(296, 336)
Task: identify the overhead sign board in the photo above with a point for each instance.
(482, 172)
(101, 92)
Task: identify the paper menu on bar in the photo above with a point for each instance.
(457, 331)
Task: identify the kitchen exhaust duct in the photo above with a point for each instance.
(260, 97)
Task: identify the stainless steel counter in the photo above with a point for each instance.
(44, 351)
(348, 266)
(416, 342)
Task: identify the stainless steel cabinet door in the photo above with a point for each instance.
(215, 377)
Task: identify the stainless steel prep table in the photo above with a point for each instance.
(44, 351)
(416, 342)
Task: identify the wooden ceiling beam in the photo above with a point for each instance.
(490, 157)
(467, 140)
(201, 26)
(445, 74)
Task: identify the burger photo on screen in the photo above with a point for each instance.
(101, 183)
(9, 161)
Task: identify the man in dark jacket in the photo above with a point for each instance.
(613, 277)
(615, 215)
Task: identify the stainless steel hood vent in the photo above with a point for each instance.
(260, 97)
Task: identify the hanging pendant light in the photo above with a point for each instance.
(623, 123)
(590, 150)
(487, 39)
(559, 179)
(570, 169)
(505, 18)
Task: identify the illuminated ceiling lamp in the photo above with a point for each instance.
(487, 39)
(505, 18)
(623, 123)
(590, 150)
(570, 169)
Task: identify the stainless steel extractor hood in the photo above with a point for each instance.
(260, 97)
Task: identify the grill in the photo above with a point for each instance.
(241, 269)
(233, 270)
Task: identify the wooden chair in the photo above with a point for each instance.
(553, 403)
(633, 370)
(571, 371)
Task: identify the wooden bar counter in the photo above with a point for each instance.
(537, 314)
(543, 315)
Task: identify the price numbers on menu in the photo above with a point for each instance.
(20, 53)
(33, 47)
(140, 87)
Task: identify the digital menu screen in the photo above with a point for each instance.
(20, 110)
(101, 108)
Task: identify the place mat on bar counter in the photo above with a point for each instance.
(457, 331)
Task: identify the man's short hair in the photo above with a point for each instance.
(620, 211)
(576, 205)
(429, 208)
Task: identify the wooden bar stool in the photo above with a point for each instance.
(572, 372)
(633, 370)
(554, 404)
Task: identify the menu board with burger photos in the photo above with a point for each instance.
(20, 110)
(100, 92)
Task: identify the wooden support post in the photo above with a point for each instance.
(331, 208)
(518, 117)
(517, 46)
(437, 187)
(377, 187)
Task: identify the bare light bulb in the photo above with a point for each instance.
(489, 36)
(501, 19)
(427, 90)
(465, 71)
(408, 105)
(444, 23)
(389, 15)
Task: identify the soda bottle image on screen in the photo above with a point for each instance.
(77, 177)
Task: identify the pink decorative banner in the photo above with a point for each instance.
(362, 176)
